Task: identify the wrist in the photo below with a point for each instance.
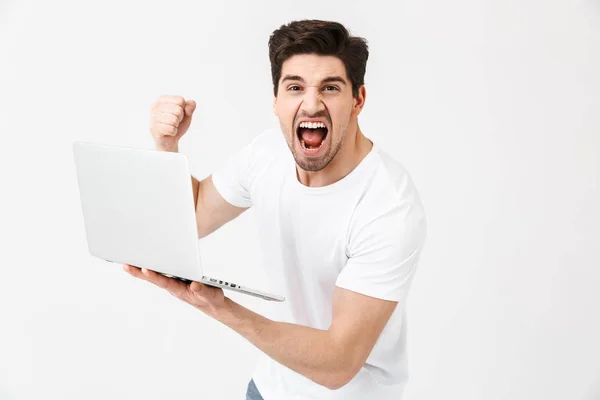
(242, 320)
(173, 148)
(226, 313)
(223, 312)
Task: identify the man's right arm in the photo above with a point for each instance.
(170, 119)
(212, 210)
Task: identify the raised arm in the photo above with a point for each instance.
(170, 119)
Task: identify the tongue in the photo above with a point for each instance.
(312, 137)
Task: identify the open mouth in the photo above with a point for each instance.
(311, 135)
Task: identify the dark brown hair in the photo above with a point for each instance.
(323, 38)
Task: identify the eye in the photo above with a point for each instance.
(292, 88)
(333, 88)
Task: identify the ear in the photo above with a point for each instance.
(275, 106)
(359, 100)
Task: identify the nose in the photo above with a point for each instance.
(311, 101)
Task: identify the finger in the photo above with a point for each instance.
(173, 286)
(190, 106)
(147, 275)
(129, 268)
(153, 277)
(166, 130)
(180, 101)
(166, 118)
(197, 288)
(197, 293)
(137, 272)
(133, 271)
(205, 293)
(170, 109)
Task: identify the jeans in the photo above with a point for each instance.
(252, 393)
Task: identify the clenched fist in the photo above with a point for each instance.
(170, 119)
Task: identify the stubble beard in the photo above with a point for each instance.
(324, 160)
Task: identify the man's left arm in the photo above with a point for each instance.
(384, 249)
(329, 357)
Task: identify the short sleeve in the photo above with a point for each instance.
(383, 252)
(232, 178)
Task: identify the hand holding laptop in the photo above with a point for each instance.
(207, 299)
(139, 208)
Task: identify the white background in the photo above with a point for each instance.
(493, 107)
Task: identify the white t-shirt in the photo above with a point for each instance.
(364, 233)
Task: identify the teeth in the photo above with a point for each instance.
(312, 125)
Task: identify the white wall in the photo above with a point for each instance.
(493, 107)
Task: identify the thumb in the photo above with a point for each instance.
(196, 287)
(190, 106)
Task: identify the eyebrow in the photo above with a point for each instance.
(329, 79)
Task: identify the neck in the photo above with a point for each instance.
(354, 149)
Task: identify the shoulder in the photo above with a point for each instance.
(390, 184)
(390, 209)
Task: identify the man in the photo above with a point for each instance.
(341, 224)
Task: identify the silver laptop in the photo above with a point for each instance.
(138, 209)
